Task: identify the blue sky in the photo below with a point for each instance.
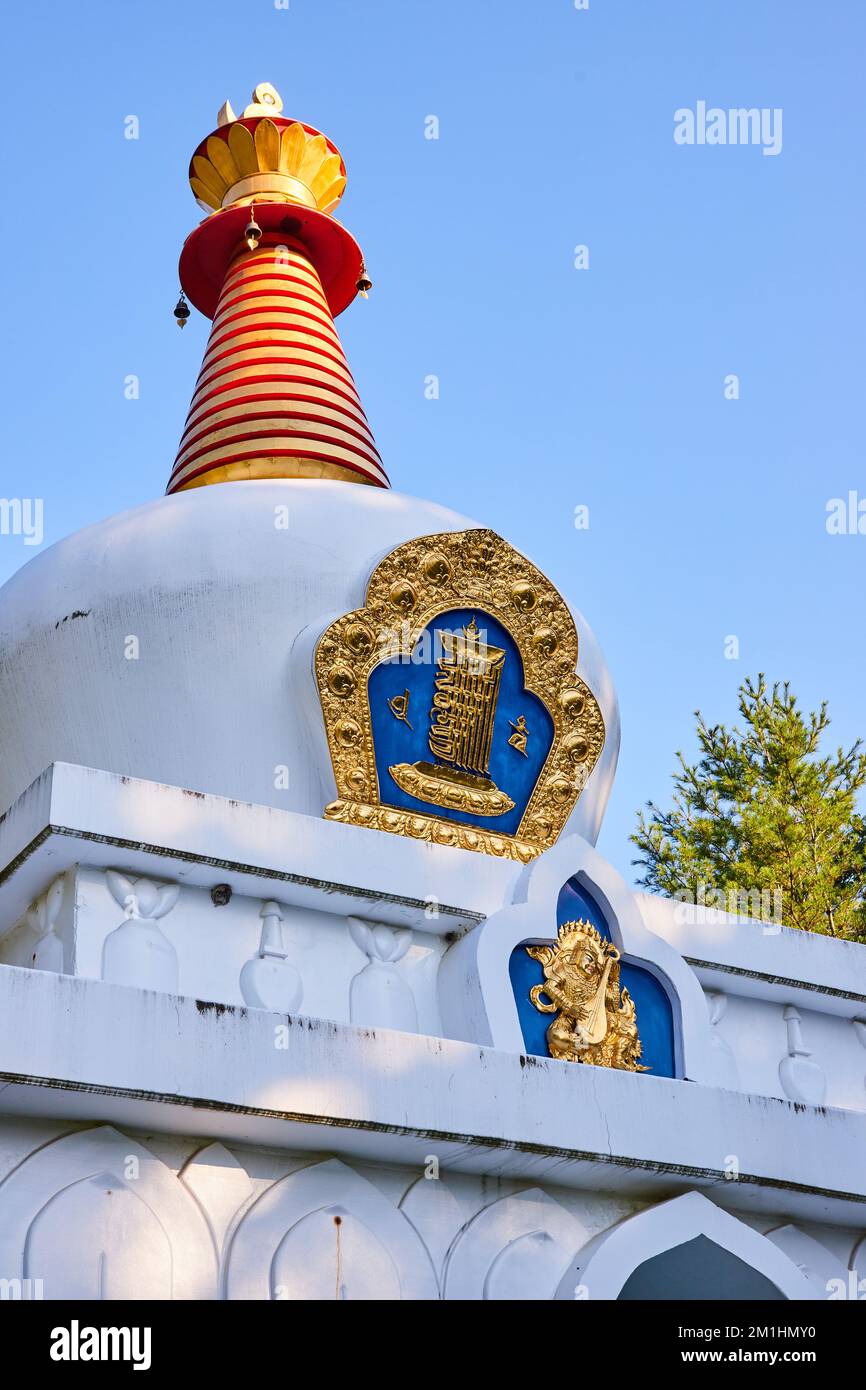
(558, 388)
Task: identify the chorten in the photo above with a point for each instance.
(313, 982)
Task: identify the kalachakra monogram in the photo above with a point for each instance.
(595, 1018)
(461, 731)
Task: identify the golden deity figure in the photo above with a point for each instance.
(461, 732)
(520, 737)
(595, 1018)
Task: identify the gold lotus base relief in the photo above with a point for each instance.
(438, 832)
(475, 796)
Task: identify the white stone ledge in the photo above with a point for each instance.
(82, 815)
(740, 956)
(91, 1051)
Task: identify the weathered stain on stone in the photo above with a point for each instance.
(79, 613)
(207, 1006)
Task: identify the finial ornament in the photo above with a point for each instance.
(266, 102)
(262, 154)
(272, 268)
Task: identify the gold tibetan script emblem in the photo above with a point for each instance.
(399, 707)
(411, 593)
(520, 737)
(595, 1018)
(461, 732)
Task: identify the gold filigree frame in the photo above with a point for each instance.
(408, 589)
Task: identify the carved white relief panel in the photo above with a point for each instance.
(325, 1232)
(137, 952)
(729, 1075)
(520, 1242)
(859, 1026)
(439, 1207)
(42, 918)
(95, 1214)
(97, 1239)
(41, 938)
(378, 995)
(220, 1185)
(814, 1261)
(269, 980)
(802, 1079)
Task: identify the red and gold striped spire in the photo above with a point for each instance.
(272, 267)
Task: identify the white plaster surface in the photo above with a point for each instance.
(389, 1141)
(201, 1068)
(216, 595)
(99, 1212)
(78, 830)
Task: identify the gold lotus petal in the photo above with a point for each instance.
(243, 150)
(209, 176)
(267, 142)
(316, 151)
(292, 142)
(332, 195)
(204, 194)
(220, 157)
(327, 172)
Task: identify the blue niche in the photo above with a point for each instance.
(655, 1018)
(405, 740)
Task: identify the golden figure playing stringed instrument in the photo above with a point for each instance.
(595, 1020)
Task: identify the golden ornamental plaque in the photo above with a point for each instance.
(451, 700)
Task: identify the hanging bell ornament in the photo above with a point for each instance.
(363, 284)
(181, 311)
(252, 232)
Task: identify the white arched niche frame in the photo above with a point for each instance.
(327, 1188)
(104, 1153)
(475, 995)
(604, 1266)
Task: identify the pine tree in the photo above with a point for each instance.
(763, 811)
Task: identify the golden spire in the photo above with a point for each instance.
(272, 268)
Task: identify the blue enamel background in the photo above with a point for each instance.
(654, 1013)
(394, 742)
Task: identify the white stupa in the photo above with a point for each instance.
(312, 982)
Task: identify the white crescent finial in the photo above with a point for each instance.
(266, 101)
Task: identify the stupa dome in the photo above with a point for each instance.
(174, 642)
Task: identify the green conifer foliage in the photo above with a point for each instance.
(765, 811)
